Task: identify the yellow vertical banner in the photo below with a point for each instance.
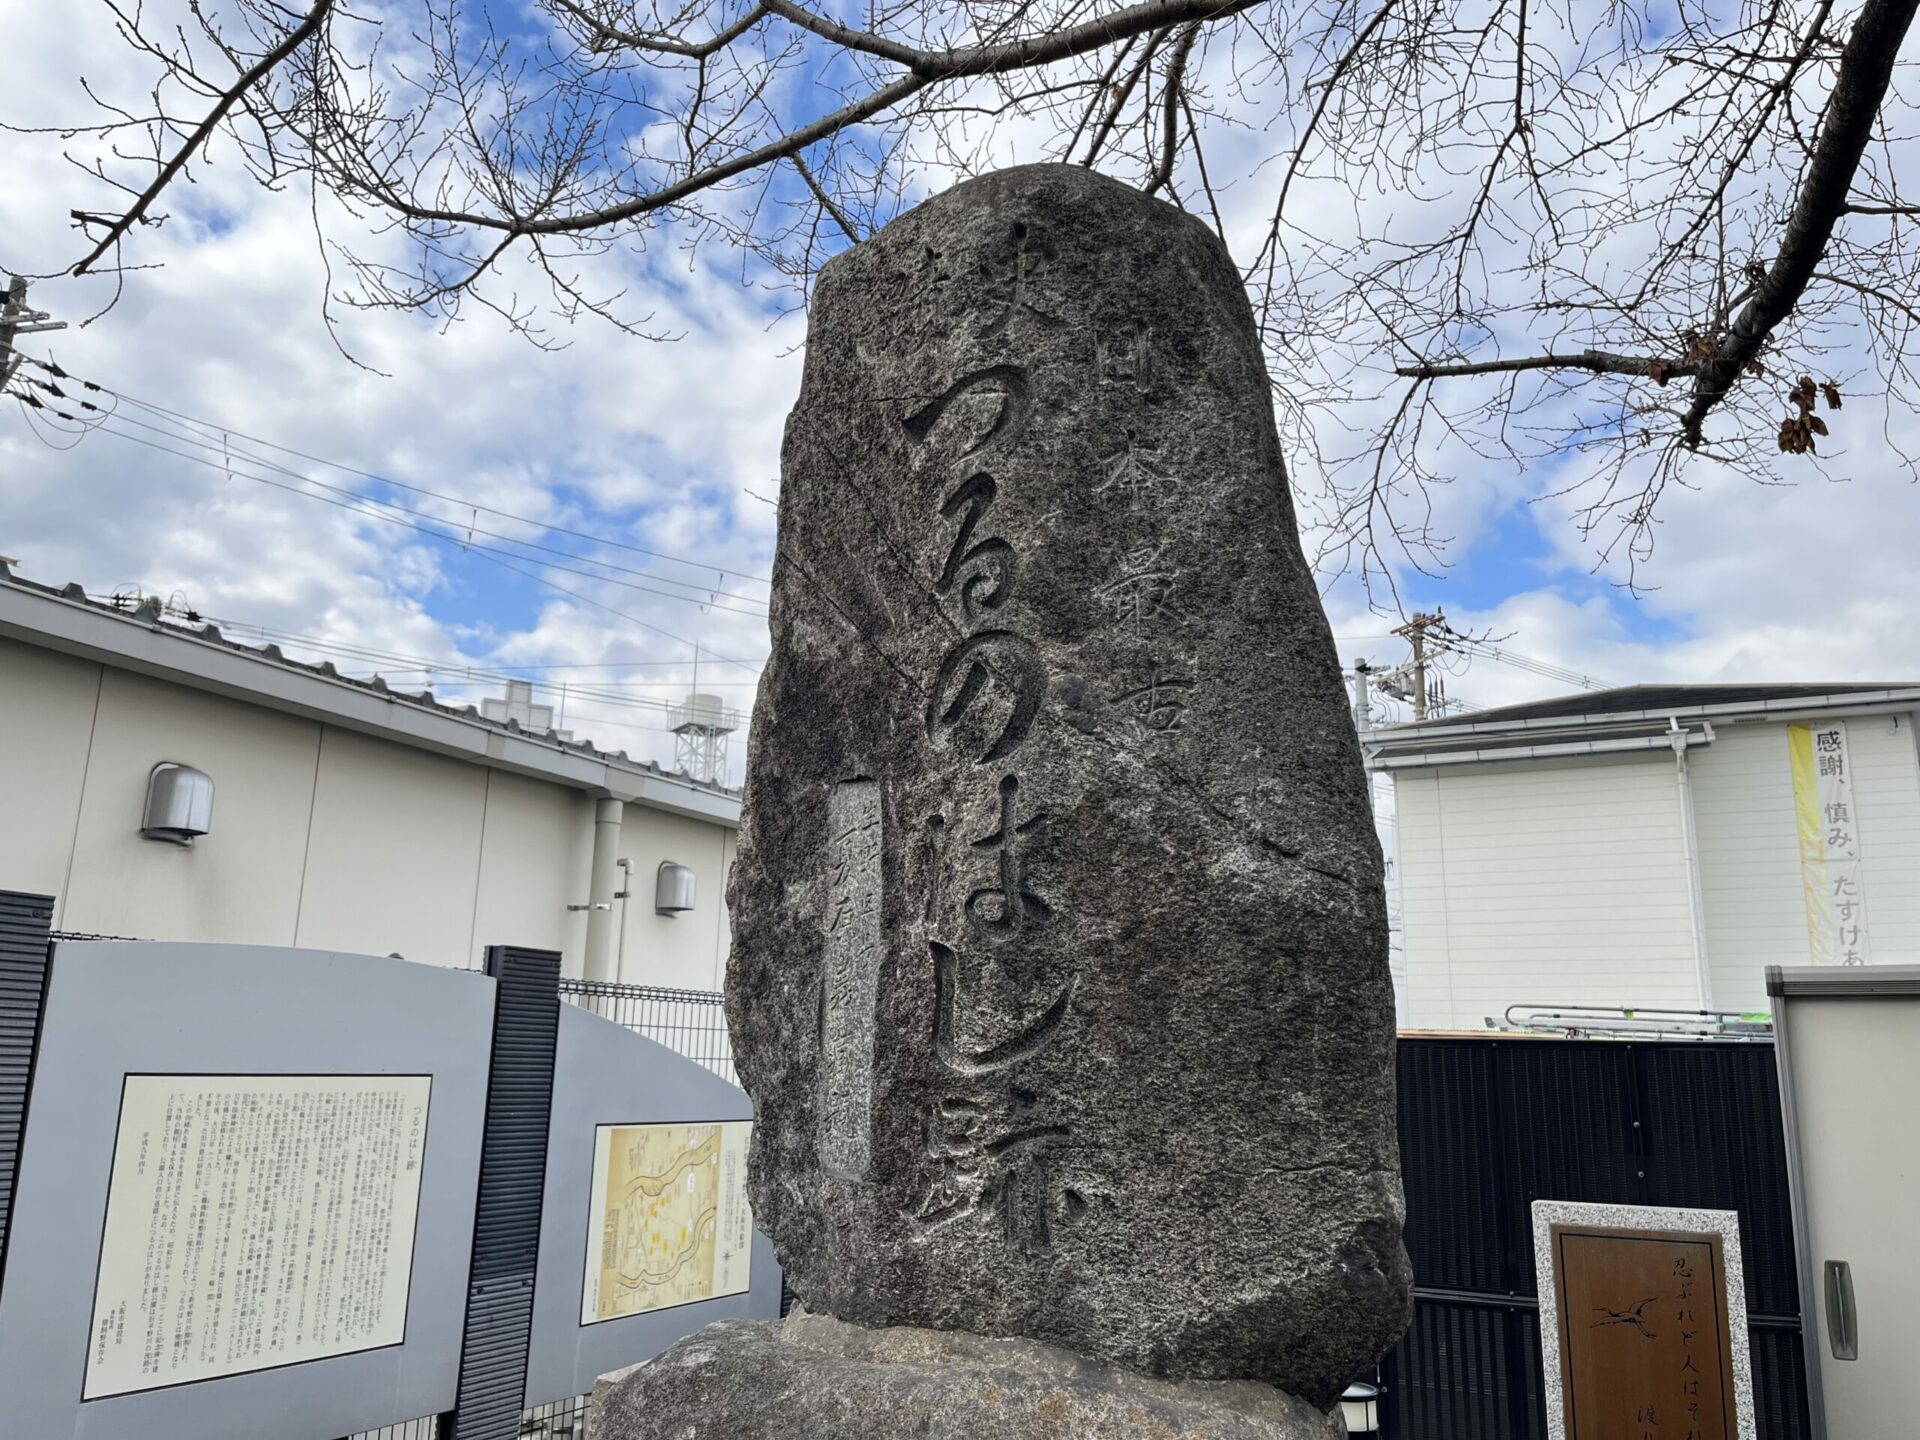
(1829, 836)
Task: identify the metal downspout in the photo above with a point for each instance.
(625, 896)
(1690, 849)
(600, 960)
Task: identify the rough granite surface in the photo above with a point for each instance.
(817, 1378)
(1059, 971)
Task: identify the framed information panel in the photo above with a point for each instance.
(1643, 1325)
(254, 1221)
(669, 1224)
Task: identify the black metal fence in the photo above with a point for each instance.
(1487, 1126)
(692, 1023)
(562, 1420)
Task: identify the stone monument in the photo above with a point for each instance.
(1059, 973)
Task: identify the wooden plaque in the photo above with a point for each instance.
(1648, 1335)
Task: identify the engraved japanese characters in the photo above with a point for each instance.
(1059, 972)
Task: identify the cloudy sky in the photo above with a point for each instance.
(670, 449)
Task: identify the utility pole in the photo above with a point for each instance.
(1362, 702)
(17, 319)
(1414, 632)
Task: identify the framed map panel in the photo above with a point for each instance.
(669, 1222)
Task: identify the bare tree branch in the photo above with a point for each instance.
(1170, 107)
(230, 97)
(612, 37)
(1866, 70)
(1598, 362)
(1542, 203)
(839, 216)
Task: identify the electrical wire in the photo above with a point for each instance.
(441, 674)
(484, 553)
(224, 432)
(453, 524)
(422, 662)
(480, 676)
(355, 502)
(1544, 668)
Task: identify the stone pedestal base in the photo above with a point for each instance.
(810, 1377)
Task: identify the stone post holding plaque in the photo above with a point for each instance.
(1059, 976)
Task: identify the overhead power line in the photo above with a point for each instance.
(213, 440)
(1544, 668)
(214, 430)
(484, 553)
(455, 525)
(444, 672)
(437, 672)
(367, 506)
(353, 501)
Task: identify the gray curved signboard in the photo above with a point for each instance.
(250, 1187)
(644, 1145)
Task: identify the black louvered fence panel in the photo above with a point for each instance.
(1454, 1230)
(1779, 1382)
(25, 922)
(1715, 1142)
(513, 1167)
(1487, 1126)
(1466, 1368)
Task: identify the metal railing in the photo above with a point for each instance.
(1633, 1022)
(562, 1420)
(692, 1023)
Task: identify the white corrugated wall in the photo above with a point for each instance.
(1750, 857)
(1543, 883)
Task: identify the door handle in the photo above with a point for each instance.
(1843, 1321)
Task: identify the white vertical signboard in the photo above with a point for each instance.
(1829, 829)
(255, 1221)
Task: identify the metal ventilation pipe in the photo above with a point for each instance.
(602, 963)
(179, 804)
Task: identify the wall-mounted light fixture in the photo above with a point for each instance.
(1360, 1408)
(672, 889)
(179, 804)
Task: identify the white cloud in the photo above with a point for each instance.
(641, 441)
(670, 447)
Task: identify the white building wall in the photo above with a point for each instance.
(322, 837)
(1886, 788)
(533, 864)
(1541, 883)
(1424, 988)
(687, 951)
(238, 884)
(393, 861)
(1750, 850)
(1749, 860)
(46, 726)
